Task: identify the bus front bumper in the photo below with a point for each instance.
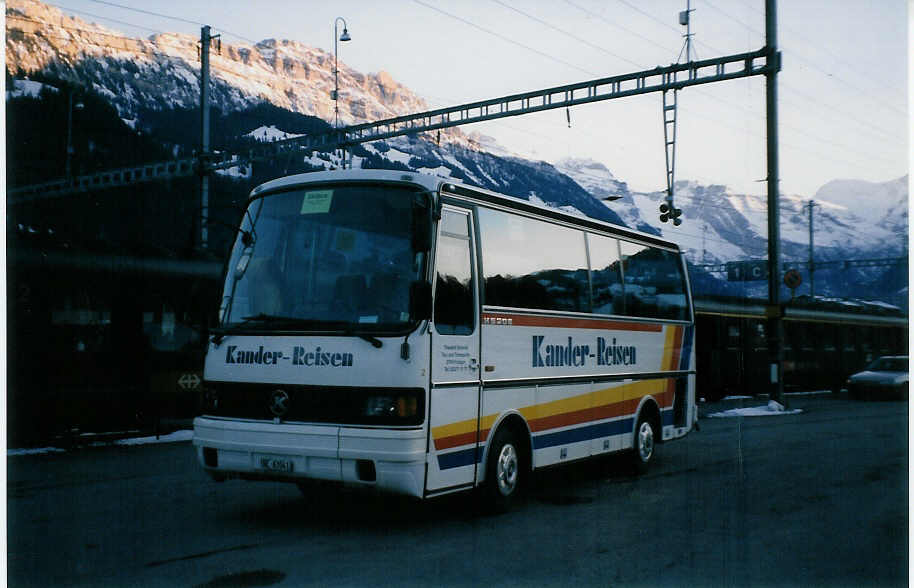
(388, 459)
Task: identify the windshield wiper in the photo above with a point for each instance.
(246, 321)
(375, 342)
(291, 321)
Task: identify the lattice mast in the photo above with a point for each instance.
(668, 210)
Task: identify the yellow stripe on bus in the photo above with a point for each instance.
(601, 397)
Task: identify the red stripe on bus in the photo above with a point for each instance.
(626, 407)
(455, 440)
(523, 320)
(606, 411)
(461, 439)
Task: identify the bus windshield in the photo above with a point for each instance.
(332, 257)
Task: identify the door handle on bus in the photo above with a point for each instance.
(474, 365)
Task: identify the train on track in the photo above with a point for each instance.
(824, 342)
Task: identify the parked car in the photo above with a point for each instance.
(886, 377)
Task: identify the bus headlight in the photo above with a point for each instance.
(400, 406)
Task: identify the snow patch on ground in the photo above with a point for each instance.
(441, 171)
(183, 435)
(398, 156)
(177, 436)
(27, 88)
(771, 409)
(271, 133)
(34, 451)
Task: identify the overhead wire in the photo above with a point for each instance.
(172, 17)
(542, 22)
(810, 43)
(818, 111)
(474, 25)
(105, 18)
(788, 87)
(147, 12)
(152, 47)
(566, 33)
(803, 132)
(592, 14)
(801, 58)
(504, 38)
(42, 33)
(863, 124)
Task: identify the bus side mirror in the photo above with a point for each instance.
(420, 301)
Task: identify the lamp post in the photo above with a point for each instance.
(336, 66)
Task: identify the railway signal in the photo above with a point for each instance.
(669, 212)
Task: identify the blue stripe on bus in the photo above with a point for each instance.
(465, 457)
(583, 433)
(456, 459)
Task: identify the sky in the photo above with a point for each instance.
(842, 91)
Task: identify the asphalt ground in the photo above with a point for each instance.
(818, 498)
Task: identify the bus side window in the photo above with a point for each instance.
(654, 282)
(532, 264)
(608, 293)
(454, 282)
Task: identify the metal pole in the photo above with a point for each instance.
(775, 324)
(204, 127)
(812, 267)
(336, 87)
(69, 169)
(336, 75)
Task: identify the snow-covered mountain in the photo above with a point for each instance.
(852, 219)
(163, 70)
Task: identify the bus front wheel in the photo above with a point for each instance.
(506, 473)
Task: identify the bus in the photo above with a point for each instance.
(407, 333)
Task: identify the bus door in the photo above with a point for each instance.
(455, 381)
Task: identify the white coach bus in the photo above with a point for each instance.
(404, 332)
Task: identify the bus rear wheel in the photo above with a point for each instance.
(644, 447)
(506, 473)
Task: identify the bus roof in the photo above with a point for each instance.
(449, 186)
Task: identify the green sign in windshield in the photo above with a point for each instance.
(316, 201)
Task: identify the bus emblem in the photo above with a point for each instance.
(279, 402)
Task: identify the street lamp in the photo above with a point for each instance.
(336, 67)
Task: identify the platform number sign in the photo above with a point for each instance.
(747, 271)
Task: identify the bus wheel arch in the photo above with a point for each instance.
(508, 463)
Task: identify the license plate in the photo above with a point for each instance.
(276, 464)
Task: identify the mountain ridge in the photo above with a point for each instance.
(160, 74)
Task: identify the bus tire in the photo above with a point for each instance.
(506, 472)
(644, 446)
